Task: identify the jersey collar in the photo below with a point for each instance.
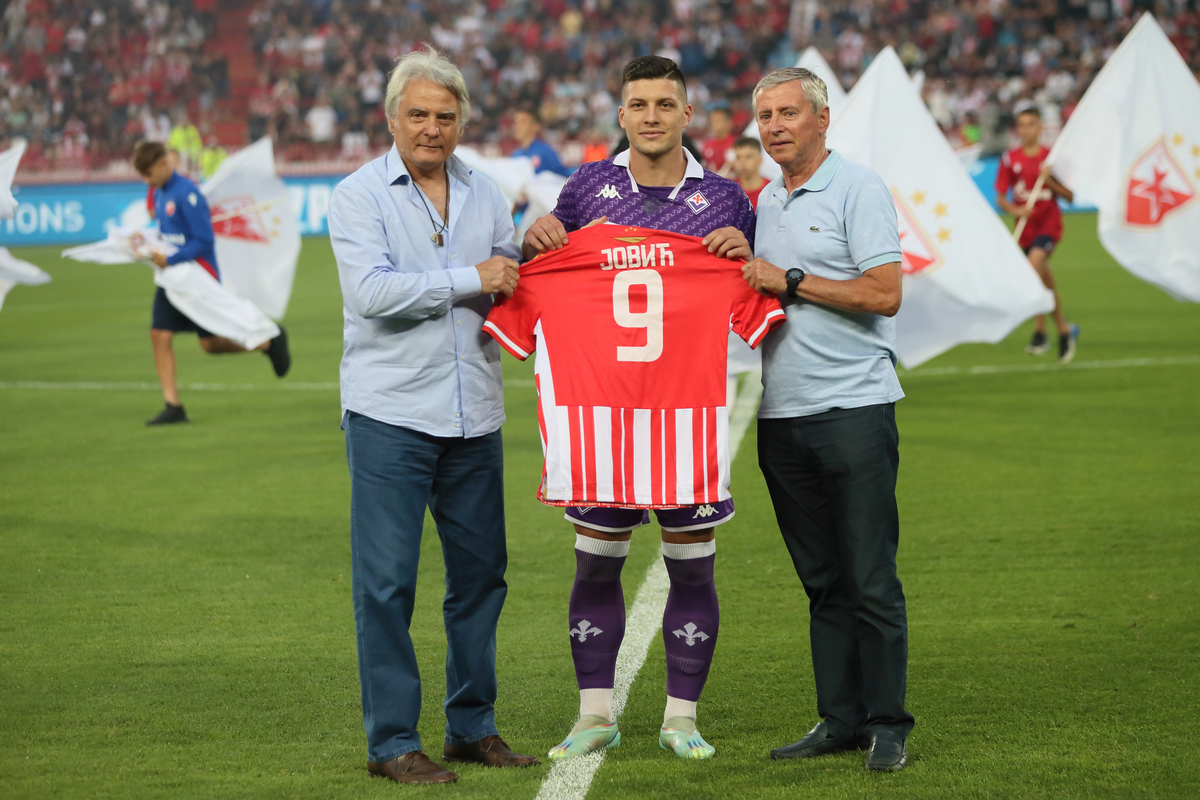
(693, 170)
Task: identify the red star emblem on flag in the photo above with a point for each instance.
(240, 218)
(1156, 187)
(918, 253)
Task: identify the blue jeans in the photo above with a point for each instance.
(394, 474)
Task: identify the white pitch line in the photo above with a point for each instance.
(1053, 366)
(739, 417)
(571, 779)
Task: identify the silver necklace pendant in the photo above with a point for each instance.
(437, 239)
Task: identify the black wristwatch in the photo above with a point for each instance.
(794, 276)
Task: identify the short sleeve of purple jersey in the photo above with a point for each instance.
(567, 208)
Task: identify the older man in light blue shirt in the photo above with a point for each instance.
(827, 240)
(422, 244)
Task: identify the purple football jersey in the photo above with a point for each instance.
(701, 203)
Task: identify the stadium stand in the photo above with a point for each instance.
(84, 81)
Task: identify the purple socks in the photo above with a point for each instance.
(597, 611)
(691, 618)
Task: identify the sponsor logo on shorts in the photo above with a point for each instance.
(703, 512)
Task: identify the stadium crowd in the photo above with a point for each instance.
(84, 81)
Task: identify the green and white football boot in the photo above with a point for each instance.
(679, 734)
(590, 734)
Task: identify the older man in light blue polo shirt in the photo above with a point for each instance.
(827, 240)
(422, 243)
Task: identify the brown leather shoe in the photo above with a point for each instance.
(490, 751)
(414, 767)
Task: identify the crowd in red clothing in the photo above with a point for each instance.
(84, 81)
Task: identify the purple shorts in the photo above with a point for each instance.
(678, 520)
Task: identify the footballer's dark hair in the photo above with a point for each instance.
(748, 141)
(146, 155)
(649, 68)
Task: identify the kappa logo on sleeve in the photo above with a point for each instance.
(697, 202)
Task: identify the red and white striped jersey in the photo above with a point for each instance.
(631, 330)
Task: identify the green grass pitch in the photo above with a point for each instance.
(175, 616)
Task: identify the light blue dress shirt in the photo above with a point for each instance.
(838, 225)
(415, 354)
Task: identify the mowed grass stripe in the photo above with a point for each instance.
(175, 616)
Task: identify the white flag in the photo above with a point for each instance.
(965, 280)
(1132, 149)
(512, 175)
(189, 287)
(9, 160)
(257, 234)
(14, 271)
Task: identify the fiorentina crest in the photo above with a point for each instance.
(241, 218)
(918, 253)
(1155, 187)
(697, 202)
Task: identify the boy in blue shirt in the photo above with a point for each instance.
(185, 221)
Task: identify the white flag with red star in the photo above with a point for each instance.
(1132, 149)
(965, 280)
(257, 234)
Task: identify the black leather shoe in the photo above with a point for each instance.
(817, 742)
(887, 753)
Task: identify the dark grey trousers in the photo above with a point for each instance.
(832, 478)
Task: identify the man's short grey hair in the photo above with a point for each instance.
(427, 65)
(813, 87)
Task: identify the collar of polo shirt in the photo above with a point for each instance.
(820, 179)
(693, 170)
(397, 172)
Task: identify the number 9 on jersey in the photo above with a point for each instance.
(651, 319)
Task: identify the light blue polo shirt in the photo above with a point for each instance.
(838, 225)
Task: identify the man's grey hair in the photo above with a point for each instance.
(813, 87)
(427, 65)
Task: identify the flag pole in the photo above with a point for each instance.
(1033, 196)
